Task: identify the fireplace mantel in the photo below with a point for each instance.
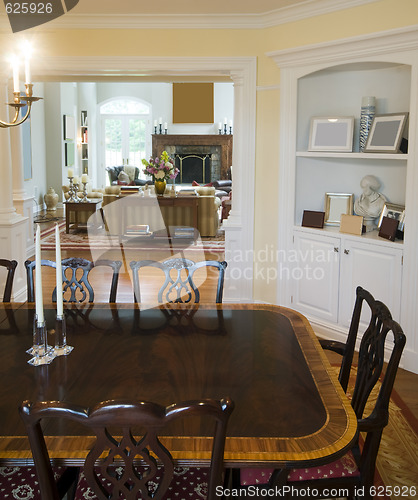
(160, 142)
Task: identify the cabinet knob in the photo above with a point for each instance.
(336, 249)
(346, 251)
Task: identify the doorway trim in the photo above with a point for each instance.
(239, 227)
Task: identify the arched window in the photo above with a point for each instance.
(126, 132)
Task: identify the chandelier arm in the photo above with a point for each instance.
(14, 122)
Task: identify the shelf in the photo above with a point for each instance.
(366, 156)
(372, 236)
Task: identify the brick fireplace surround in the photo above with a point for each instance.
(218, 145)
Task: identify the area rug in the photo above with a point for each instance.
(81, 240)
(397, 460)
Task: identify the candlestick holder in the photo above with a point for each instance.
(71, 199)
(41, 351)
(161, 128)
(165, 131)
(225, 129)
(84, 198)
(220, 131)
(61, 347)
(230, 130)
(155, 129)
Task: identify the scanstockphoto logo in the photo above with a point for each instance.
(25, 15)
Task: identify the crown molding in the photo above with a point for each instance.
(371, 44)
(304, 10)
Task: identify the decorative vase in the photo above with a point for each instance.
(368, 110)
(160, 187)
(51, 200)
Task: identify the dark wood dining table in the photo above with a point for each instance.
(289, 408)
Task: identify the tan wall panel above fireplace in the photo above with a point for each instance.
(192, 102)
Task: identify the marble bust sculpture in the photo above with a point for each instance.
(370, 203)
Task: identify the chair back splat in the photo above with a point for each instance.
(121, 466)
(178, 279)
(78, 287)
(346, 350)
(10, 265)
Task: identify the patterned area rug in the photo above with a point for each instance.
(397, 460)
(81, 240)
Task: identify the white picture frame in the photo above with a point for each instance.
(386, 132)
(335, 205)
(331, 133)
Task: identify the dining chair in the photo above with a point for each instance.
(10, 265)
(121, 464)
(78, 287)
(346, 350)
(181, 284)
(356, 469)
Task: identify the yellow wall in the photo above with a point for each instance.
(373, 17)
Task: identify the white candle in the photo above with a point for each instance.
(39, 303)
(60, 308)
(76, 180)
(230, 123)
(15, 66)
(225, 120)
(155, 123)
(160, 120)
(70, 172)
(84, 178)
(165, 125)
(27, 68)
(219, 125)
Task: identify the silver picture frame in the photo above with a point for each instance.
(335, 205)
(393, 211)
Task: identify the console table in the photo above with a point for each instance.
(76, 208)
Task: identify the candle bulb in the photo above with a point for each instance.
(230, 123)
(225, 120)
(155, 123)
(160, 121)
(15, 67)
(165, 125)
(60, 307)
(84, 178)
(219, 126)
(39, 304)
(70, 172)
(76, 180)
(27, 69)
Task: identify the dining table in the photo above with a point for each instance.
(290, 410)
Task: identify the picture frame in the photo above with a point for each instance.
(393, 211)
(335, 205)
(69, 128)
(331, 133)
(69, 154)
(386, 132)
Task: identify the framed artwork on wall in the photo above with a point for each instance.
(385, 134)
(69, 154)
(26, 145)
(331, 133)
(69, 128)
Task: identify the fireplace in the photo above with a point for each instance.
(218, 149)
(193, 167)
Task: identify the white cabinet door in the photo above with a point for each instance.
(376, 268)
(316, 275)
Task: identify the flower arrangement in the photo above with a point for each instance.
(161, 168)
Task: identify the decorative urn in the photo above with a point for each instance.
(51, 200)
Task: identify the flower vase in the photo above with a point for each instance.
(160, 187)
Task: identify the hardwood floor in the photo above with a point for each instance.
(406, 383)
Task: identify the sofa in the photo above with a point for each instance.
(131, 179)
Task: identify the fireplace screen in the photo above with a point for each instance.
(193, 167)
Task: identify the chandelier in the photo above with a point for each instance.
(20, 101)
